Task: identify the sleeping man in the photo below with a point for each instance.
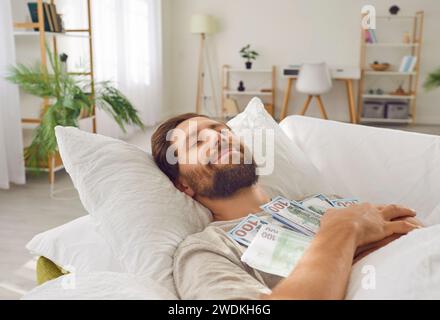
(207, 265)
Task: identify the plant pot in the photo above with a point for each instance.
(248, 65)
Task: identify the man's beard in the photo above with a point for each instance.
(222, 181)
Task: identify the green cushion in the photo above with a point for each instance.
(47, 270)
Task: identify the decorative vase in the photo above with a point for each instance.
(394, 10)
(241, 86)
(248, 65)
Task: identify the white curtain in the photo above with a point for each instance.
(127, 41)
(11, 143)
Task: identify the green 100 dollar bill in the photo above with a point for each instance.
(275, 250)
(318, 203)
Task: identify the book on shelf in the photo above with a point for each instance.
(373, 35)
(408, 64)
(367, 36)
(60, 23)
(52, 20)
(47, 17)
(33, 10)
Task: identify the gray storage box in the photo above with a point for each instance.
(374, 109)
(397, 110)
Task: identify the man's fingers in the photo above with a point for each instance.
(393, 211)
(400, 227)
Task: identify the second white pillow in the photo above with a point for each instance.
(294, 176)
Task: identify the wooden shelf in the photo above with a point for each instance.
(56, 169)
(32, 33)
(387, 96)
(249, 70)
(389, 73)
(248, 93)
(30, 120)
(80, 73)
(26, 25)
(390, 44)
(396, 17)
(397, 121)
(33, 123)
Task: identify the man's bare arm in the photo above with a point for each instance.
(324, 270)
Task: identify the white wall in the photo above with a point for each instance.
(287, 32)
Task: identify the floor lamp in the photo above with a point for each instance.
(203, 24)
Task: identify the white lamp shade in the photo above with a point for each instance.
(203, 23)
(314, 79)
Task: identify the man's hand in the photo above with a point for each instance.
(370, 223)
(365, 250)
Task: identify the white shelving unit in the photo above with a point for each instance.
(413, 48)
(28, 32)
(227, 92)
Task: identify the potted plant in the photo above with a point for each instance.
(249, 55)
(69, 99)
(433, 80)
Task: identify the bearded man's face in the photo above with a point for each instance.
(211, 159)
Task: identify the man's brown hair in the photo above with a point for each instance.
(159, 144)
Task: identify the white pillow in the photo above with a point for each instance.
(139, 212)
(373, 164)
(294, 176)
(100, 286)
(76, 247)
(408, 268)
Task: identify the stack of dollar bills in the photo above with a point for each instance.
(275, 243)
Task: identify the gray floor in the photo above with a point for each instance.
(29, 209)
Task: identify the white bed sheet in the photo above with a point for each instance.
(100, 286)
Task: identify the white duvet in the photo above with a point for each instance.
(408, 268)
(100, 286)
(377, 165)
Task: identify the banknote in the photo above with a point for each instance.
(344, 203)
(293, 214)
(245, 231)
(318, 203)
(294, 227)
(275, 250)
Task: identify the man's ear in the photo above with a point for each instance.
(184, 187)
